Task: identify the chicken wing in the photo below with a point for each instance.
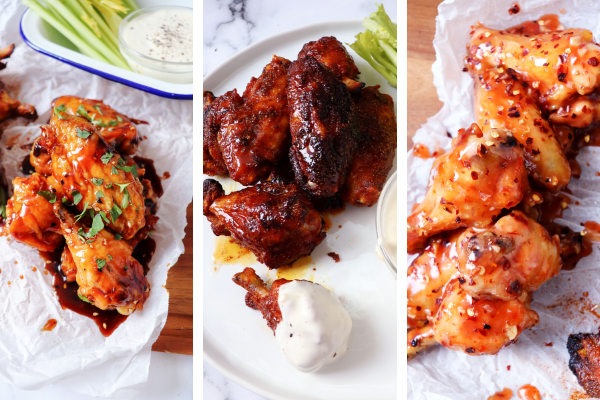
(514, 256)
(374, 156)
(558, 64)
(259, 297)
(273, 220)
(256, 135)
(92, 174)
(470, 185)
(503, 102)
(584, 362)
(578, 112)
(419, 339)
(323, 127)
(477, 325)
(30, 218)
(8, 106)
(67, 265)
(331, 52)
(107, 274)
(215, 109)
(117, 130)
(427, 276)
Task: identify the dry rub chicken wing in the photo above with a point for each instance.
(470, 185)
(273, 220)
(92, 174)
(107, 274)
(254, 136)
(323, 127)
(584, 349)
(374, 156)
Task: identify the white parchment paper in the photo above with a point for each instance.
(75, 354)
(561, 303)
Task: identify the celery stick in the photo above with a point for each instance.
(107, 34)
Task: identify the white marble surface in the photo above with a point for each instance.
(230, 26)
(170, 378)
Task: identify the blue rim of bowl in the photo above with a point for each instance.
(110, 77)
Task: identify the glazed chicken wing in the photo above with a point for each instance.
(107, 275)
(477, 325)
(578, 112)
(558, 64)
(9, 107)
(117, 130)
(331, 52)
(503, 102)
(470, 185)
(30, 218)
(273, 220)
(215, 109)
(374, 156)
(92, 174)
(67, 265)
(254, 136)
(323, 127)
(427, 276)
(259, 297)
(419, 339)
(514, 256)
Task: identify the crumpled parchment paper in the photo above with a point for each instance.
(75, 354)
(540, 357)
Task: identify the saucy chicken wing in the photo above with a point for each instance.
(374, 156)
(117, 130)
(419, 339)
(578, 112)
(107, 274)
(215, 109)
(478, 325)
(8, 106)
(29, 212)
(92, 174)
(67, 265)
(273, 220)
(254, 136)
(259, 297)
(323, 127)
(470, 185)
(503, 102)
(514, 256)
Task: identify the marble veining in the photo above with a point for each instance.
(230, 26)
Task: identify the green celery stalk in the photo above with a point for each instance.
(361, 47)
(105, 30)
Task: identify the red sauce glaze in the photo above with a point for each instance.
(514, 9)
(421, 151)
(529, 392)
(150, 173)
(504, 394)
(592, 231)
(50, 325)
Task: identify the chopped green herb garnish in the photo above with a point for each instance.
(113, 123)
(51, 197)
(125, 201)
(137, 209)
(99, 194)
(101, 213)
(2, 203)
(58, 110)
(114, 171)
(76, 197)
(82, 297)
(97, 225)
(100, 262)
(115, 211)
(106, 157)
(97, 181)
(109, 257)
(81, 111)
(118, 237)
(99, 110)
(122, 186)
(133, 168)
(109, 186)
(83, 134)
(85, 206)
(119, 119)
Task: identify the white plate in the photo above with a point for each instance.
(237, 340)
(43, 38)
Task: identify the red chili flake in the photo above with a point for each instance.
(525, 52)
(555, 37)
(474, 175)
(470, 350)
(508, 367)
(593, 62)
(562, 76)
(556, 45)
(458, 220)
(514, 9)
(535, 152)
(543, 129)
(514, 114)
(465, 69)
(537, 122)
(529, 141)
(574, 116)
(546, 64)
(549, 344)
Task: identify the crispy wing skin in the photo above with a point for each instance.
(374, 156)
(477, 325)
(331, 52)
(256, 135)
(67, 265)
(323, 127)
(211, 191)
(273, 220)
(259, 297)
(40, 158)
(94, 170)
(578, 112)
(427, 276)
(117, 130)
(215, 109)
(30, 218)
(584, 349)
(470, 185)
(10, 108)
(514, 256)
(503, 102)
(6, 53)
(559, 64)
(419, 339)
(107, 275)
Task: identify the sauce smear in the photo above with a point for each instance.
(50, 325)
(504, 394)
(529, 392)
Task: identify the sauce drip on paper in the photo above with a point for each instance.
(529, 392)
(504, 394)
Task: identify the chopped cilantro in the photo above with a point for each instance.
(99, 194)
(97, 181)
(125, 201)
(113, 123)
(101, 213)
(85, 206)
(119, 119)
(2, 203)
(97, 225)
(115, 211)
(106, 157)
(122, 185)
(100, 262)
(109, 186)
(58, 110)
(76, 197)
(82, 297)
(51, 197)
(109, 257)
(98, 109)
(118, 237)
(81, 111)
(114, 171)
(83, 134)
